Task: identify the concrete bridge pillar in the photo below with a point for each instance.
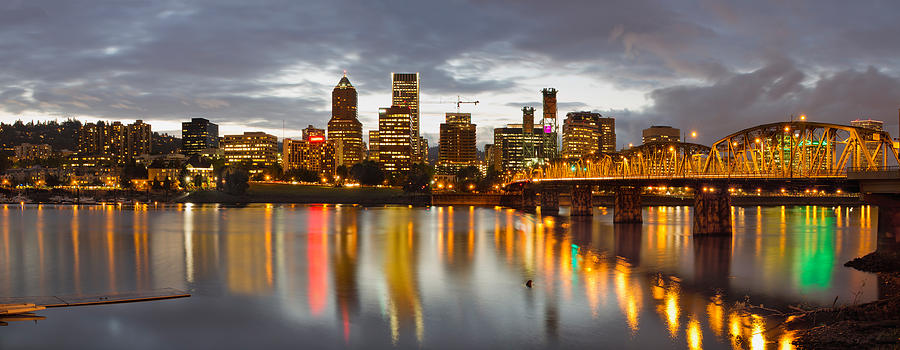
(628, 206)
(712, 213)
(529, 199)
(549, 200)
(581, 201)
(888, 220)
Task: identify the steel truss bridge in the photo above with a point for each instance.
(799, 152)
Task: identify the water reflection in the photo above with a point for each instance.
(447, 276)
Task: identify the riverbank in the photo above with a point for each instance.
(309, 194)
(874, 325)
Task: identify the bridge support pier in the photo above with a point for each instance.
(581, 201)
(712, 213)
(549, 200)
(529, 199)
(628, 206)
(888, 220)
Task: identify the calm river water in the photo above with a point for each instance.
(282, 276)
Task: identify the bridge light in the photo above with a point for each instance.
(630, 145)
(803, 117)
(838, 191)
(782, 190)
(757, 140)
(705, 189)
(787, 128)
(694, 134)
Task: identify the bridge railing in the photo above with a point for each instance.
(887, 172)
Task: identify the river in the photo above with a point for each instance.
(316, 276)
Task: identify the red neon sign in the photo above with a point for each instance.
(316, 139)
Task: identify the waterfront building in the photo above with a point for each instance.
(395, 146)
(27, 151)
(405, 93)
(197, 135)
(254, 150)
(586, 133)
(138, 139)
(492, 157)
(456, 148)
(90, 138)
(313, 153)
(344, 126)
(509, 145)
(661, 133)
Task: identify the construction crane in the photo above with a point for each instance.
(459, 102)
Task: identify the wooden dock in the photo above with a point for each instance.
(92, 299)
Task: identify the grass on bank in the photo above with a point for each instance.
(287, 193)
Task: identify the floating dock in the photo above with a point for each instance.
(41, 302)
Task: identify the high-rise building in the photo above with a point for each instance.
(405, 93)
(254, 150)
(395, 150)
(313, 153)
(373, 145)
(586, 133)
(492, 157)
(138, 137)
(344, 126)
(661, 133)
(550, 123)
(509, 144)
(456, 148)
(90, 138)
(106, 139)
(197, 135)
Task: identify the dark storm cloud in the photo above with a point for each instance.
(749, 62)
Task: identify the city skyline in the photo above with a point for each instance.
(644, 63)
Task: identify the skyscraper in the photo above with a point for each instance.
(405, 93)
(550, 123)
(344, 127)
(395, 150)
(586, 133)
(456, 148)
(197, 135)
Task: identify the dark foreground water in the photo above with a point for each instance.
(269, 276)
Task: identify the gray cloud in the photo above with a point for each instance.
(710, 65)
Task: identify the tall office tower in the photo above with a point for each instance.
(114, 144)
(138, 138)
(373, 145)
(509, 145)
(405, 93)
(607, 134)
(661, 133)
(395, 150)
(550, 123)
(197, 135)
(255, 150)
(492, 157)
(580, 134)
(344, 127)
(528, 129)
(456, 148)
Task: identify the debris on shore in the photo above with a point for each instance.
(874, 325)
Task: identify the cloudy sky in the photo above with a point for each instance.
(705, 65)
